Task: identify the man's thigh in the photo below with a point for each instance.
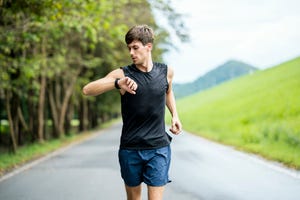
(155, 193)
(131, 167)
(156, 169)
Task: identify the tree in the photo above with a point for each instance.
(49, 49)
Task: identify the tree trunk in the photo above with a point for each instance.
(69, 117)
(23, 129)
(21, 117)
(83, 115)
(54, 112)
(32, 113)
(66, 100)
(11, 123)
(41, 109)
(41, 117)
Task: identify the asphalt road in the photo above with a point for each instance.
(200, 169)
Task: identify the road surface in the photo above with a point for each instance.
(200, 170)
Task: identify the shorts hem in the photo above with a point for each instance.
(132, 185)
(158, 185)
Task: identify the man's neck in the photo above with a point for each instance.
(146, 67)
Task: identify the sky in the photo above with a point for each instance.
(262, 33)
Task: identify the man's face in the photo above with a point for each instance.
(138, 52)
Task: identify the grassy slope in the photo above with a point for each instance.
(259, 113)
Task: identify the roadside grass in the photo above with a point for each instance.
(258, 113)
(30, 152)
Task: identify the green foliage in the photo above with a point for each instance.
(174, 19)
(49, 49)
(259, 113)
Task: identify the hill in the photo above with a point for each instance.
(229, 70)
(259, 113)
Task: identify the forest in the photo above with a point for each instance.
(50, 49)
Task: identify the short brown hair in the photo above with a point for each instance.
(142, 33)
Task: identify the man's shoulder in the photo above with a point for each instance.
(127, 67)
(159, 64)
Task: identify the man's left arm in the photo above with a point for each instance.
(171, 104)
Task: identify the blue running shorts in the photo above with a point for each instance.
(149, 166)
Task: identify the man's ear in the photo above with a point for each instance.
(149, 45)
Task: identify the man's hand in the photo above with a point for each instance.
(176, 126)
(128, 85)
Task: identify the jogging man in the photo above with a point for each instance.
(146, 88)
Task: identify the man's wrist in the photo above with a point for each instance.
(117, 84)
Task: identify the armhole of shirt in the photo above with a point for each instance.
(167, 78)
(125, 70)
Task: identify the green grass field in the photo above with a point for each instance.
(258, 113)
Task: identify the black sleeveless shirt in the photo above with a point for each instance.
(144, 113)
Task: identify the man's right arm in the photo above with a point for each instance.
(107, 83)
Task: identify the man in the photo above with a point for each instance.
(145, 87)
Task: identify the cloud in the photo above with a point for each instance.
(271, 43)
(260, 32)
